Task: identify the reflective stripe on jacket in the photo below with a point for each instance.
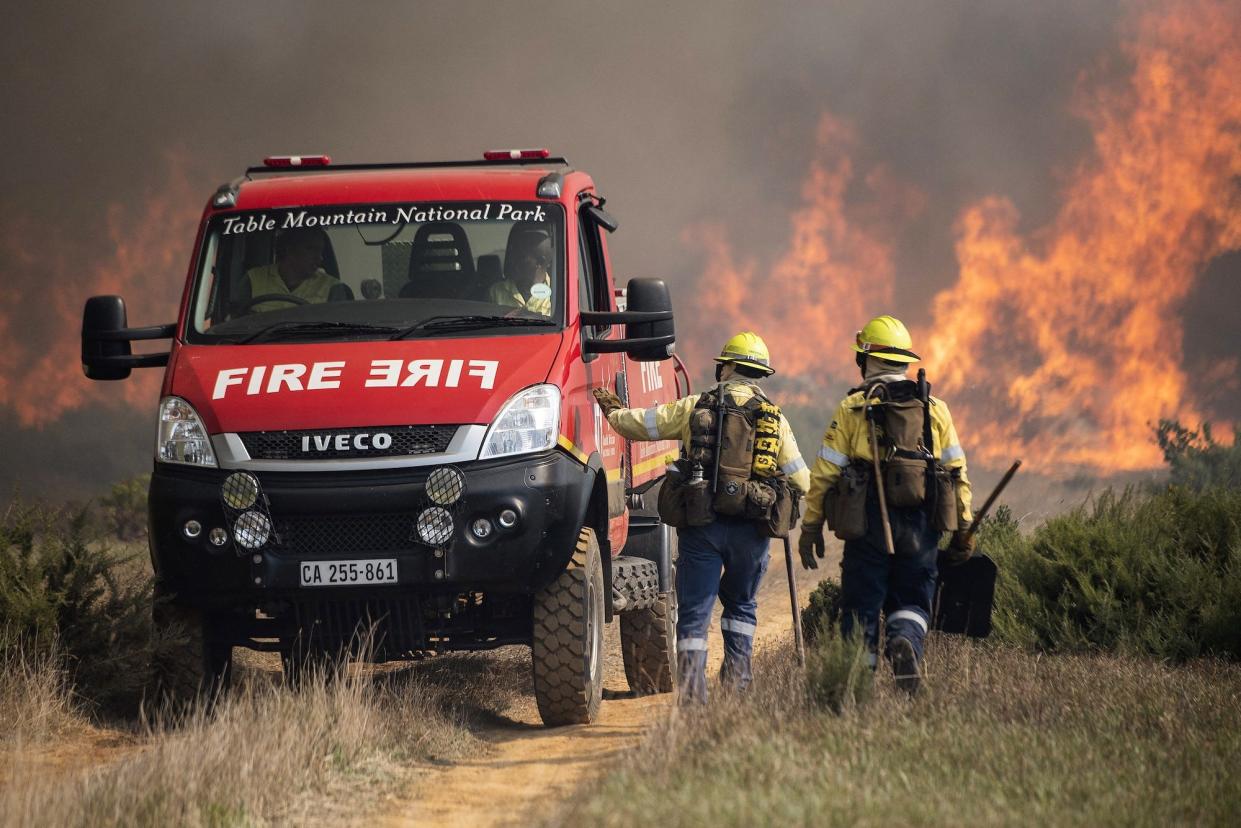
(848, 438)
(670, 421)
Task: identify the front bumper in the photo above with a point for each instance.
(367, 515)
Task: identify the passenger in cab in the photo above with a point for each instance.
(297, 272)
(527, 283)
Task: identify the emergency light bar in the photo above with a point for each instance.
(516, 155)
(297, 161)
(276, 164)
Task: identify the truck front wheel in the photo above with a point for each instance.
(568, 639)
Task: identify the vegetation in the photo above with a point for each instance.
(838, 674)
(72, 597)
(998, 736)
(1154, 571)
(263, 754)
(124, 508)
(1196, 460)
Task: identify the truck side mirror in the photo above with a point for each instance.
(650, 296)
(649, 331)
(106, 350)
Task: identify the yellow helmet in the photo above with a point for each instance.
(747, 348)
(887, 338)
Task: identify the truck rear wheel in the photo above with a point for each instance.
(197, 668)
(648, 645)
(567, 648)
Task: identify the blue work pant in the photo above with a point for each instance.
(902, 586)
(736, 547)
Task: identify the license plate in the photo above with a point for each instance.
(348, 573)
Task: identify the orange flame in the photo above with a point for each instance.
(813, 294)
(1068, 344)
(143, 260)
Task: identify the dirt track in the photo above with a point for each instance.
(525, 765)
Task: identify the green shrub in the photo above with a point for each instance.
(822, 610)
(125, 508)
(1195, 459)
(61, 591)
(838, 673)
(1137, 572)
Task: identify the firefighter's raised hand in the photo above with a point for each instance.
(608, 401)
(960, 547)
(811, 544)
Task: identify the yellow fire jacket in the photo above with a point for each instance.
(508, 294)
(670, 421)
(266, 280)
(848, 438)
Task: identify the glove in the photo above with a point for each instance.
(608, 401)
(811, 544)
(960, 548)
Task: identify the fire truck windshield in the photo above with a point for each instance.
(372, 271)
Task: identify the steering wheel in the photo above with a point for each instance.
(273, 297)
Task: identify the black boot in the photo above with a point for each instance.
(904, 664)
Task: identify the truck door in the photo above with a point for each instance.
(605, 370)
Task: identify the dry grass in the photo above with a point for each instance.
(266, 754)
(36, 703)
(997, 736)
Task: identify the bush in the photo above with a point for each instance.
(822, 610)
(1138, 572)
(125, 508)
(838, 673)
(1195, 459)
(63, 592)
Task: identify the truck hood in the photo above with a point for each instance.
(457, 381)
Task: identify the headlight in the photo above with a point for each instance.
(182, 438)
(530, 421)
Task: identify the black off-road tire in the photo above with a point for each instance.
(567, 647)
(649, 646)
(199, 668)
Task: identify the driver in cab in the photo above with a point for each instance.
(297, 273)
(527, 284)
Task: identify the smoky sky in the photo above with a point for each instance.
(683, 113)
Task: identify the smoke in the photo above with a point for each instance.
(139, 253)
(789, 167)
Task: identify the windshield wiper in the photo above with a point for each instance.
(455, 323)
(297, 329)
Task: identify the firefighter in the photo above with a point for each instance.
(733, 543)
(901, 585)
(297, 272)
(527, 284)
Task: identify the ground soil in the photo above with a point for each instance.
(81, 748)
(526, 766)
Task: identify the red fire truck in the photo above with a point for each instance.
(376, 425)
